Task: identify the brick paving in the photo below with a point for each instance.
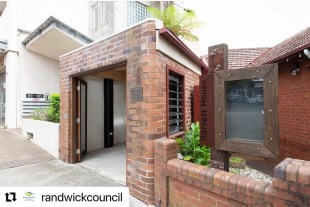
(16, 151)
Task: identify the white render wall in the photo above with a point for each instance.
(37, 75)
(28, 72)
(45, 134)
(120, 18)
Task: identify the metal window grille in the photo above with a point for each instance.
(136, 12)
(175, 104)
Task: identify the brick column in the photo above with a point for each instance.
(291, 183)
(165, 150)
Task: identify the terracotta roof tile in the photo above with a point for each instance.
(240, 58)
(292, 45)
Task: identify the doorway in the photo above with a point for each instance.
(101, 123)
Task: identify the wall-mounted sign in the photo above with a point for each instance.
(32, 95)
(136, 94)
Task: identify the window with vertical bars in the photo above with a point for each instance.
(175, 103)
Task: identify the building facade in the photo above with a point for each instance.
(29, 70)
(25, 72)
(160, 73)
(108, 17)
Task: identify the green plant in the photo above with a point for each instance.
(50, 113)
(237, 162)
(54, 108)
(236, 159)
(181, 23)
(41, 114)
(190, 146)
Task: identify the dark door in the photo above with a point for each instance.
(108, 114)
(81, 119)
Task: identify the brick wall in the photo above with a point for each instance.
(294, 109)
(180, 184)
(146, 119)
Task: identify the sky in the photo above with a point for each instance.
(248, 23)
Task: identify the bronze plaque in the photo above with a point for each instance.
(136, 93)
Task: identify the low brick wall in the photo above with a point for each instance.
(179, 183)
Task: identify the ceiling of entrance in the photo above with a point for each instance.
(118, 74)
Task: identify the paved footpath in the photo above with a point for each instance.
(16, 151)
(22, 163)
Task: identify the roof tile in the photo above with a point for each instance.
(289, 46)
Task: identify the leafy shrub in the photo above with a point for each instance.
(50, 113)
(54, 108)
(191, 149)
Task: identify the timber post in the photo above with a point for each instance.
(218, 60)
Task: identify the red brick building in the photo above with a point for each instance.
(293, 89)
(159, 73)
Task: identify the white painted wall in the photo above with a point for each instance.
(95, 113)
(12, 68)
(119, 96)
(45, 134)
(37, 74)
(28, 72)
(171, 51)
(120, 16)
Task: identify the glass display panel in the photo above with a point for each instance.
(245, 110)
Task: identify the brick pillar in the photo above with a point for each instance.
(291, 183)
(165, 150)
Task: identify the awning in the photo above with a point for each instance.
(53, 38)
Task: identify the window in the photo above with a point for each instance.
(246, 113)
(136, 12)
(176, 99)
(102, 14)
(95, 15)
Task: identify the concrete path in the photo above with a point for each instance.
(22, 163)
(56, 173)
(52, 173)
(108, 162)
(16, 151)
